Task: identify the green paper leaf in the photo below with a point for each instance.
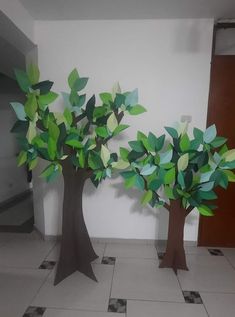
(80, 83)
(81, 158)
(112, 122)
(19, 110)
(130, 182)
(180, 179)
(68, 116)
(218, 141)
(22, 158)
(136, 110)
(169, 176)
(155, 184)
(128, 174)
(120, 128)
(205, 211)
(105, 155)
(33, 164)
(210, 134)
(206, 187)
(31, 106)
(169, 192)
(106, 97)
(198, 135)
(48, 171)
(182, 163)
(22, 80)
(33, 74)
(124, 153)
(102, 132)
(99, 112)
(230, 175)
(173, 132)
(53, 130)
(48, 98)
(52, 148)
(73, 77)
(146, 197)
(184, 143)
(74, 143)
(136, 146)
(94, 161)
(139, 182)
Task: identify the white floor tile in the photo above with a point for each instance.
(98, 247)
(78, 291)
(78, 313)
(230, 255)
(24, 252)
(17, 289)
(142, 279)
(161, 309)
(188, 250)
(131, 250)
(219, 305)
(207, 273)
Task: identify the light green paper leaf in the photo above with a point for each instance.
(120, 128)
(205, 211)
(230, 175)
(106, 97)
(182, 163)
(73, 76)
(74, 143)
(184, 143)
(229, 155)
(22, 158)
(102, 132)
(116, 89)
(136, 110)
(53, 130)
(31, 107)
(210, 134)
(19, 110)
(121, 165)
(169, 176)
(31, 132)
(68, 116)
(166, 157)
(105, 155)
(124, 153)
(148, 170)
(33, 74)
(33, 164)
(51, 148)
(146, 197)
(112, 122)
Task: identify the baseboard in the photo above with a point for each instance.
(118, 240)
(8, 203)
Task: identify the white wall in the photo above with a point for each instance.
(169, 61)
(19, 16)
(13, 180)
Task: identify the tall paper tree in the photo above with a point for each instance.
(74, 143)
(179, 175)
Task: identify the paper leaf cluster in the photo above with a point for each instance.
(185, 169)
(79, 135)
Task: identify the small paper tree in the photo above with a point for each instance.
(180, 176)
(75, 144)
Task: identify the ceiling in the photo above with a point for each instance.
(128, 9)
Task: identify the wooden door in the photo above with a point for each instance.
(220, 229)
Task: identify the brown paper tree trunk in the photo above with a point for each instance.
(76, 252)
(175, 255)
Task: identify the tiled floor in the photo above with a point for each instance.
(130, 284)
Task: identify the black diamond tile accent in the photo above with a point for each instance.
(33, 311)
(192, 297)
(117, 305)
(110, 260)
(160, 255)
(47, 265)
(216, 252)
